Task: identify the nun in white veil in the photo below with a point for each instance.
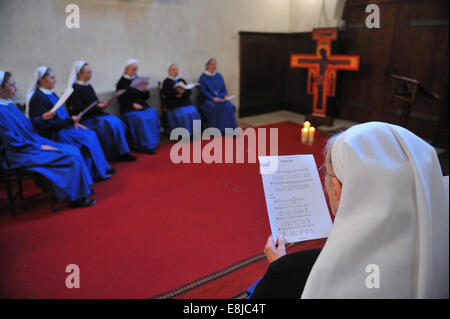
(390, 233)
(177, 103)
(111, 131)
(142, 120)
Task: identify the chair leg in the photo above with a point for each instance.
(19, 184)
(10, 197)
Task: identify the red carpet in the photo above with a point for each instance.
(156, 227)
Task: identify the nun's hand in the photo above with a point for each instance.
(137, 106)
(273, 252)
(79, 125)
(48, 115)
(102, 105)
(217, 100)
(76, 119)
(48, 148)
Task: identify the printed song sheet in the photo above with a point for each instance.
(294, 197)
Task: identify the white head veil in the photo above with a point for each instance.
(128, 63)
(39, 73)
(392, 222)
(205, 71)
(76, 68)
(2, 76)
(131, 61)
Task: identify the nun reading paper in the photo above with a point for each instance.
(294, 197)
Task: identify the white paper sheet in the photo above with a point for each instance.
(445, 179)
(62, 99)
(295, 200)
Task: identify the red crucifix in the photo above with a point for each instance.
(322, 68)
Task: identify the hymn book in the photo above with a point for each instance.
(139, 82)
(189, 86)
(294, 198)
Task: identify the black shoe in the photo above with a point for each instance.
(151, 151)
(93, 192)
(111, 171)
(101, 179)
(83, 202)
(128, 158)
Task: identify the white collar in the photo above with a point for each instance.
(126, 76)
(172, 78)
(46, 92)
(5, 102)
(209, 73)
(82, 82)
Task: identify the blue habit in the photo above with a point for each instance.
(143, 129)
(111, 131)
(218, 115)
(183, 116)
(142, 125)
(180, 111)
(64, 168)
(61, 129)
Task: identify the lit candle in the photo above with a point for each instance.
(304, 135)
(311, 133)
(307, 125)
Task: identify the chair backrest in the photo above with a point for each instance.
(162, 96)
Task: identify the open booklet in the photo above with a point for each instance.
(294, 198)
(139, 82)
(188, 86)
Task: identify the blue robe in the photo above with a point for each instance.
(64, 168)
(180, 111)
(111, 131)
(61, 129)
(142, 125)
(218, 115)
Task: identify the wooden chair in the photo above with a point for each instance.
(164, 110)
(18, 175)
(409, 91)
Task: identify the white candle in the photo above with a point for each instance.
(307, 125)
(304, 135)
(311, 133)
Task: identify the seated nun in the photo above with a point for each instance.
(142, 121)
(180, 111)
(213, 99)
(63, 128)
(61, 164)
(110, 129)
(390, 233)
